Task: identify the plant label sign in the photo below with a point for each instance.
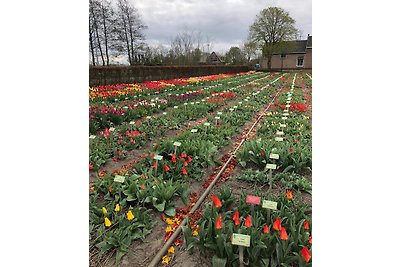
(231, 109)
(272, 205)
(241, 240)
(253, 200)
(92, 137)
(219, 113)
(132, 122)
(112, 129)
(271, 166)
(185, 103)
(288, 106)
(279, 139)
(217, 118)
(194, 131)
(273, 156)
(240, 102)
(282, 125)
(158, 157)
(119, 179)
(284, 118)
(175, 106)
(285, 114)
(279, 133)
(177, 143)
(235, 106)
(207, 124)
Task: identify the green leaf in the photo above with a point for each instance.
(218, 262)
(170, 211)
(160, 207)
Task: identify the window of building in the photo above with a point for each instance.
(283, 55)
(300, 61)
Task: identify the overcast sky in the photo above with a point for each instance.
(225, 22)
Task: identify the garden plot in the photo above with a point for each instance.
(110, 189)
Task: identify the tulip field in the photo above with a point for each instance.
(202, 171)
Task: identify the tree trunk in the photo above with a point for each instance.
(105, 35)
(97, 35)
(91, 46)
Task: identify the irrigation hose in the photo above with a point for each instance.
(157, 258)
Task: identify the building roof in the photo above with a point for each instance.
(295, 47)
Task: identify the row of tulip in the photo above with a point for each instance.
(164, 174)
(105, 114)
(116, 141)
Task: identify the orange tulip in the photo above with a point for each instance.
(247, 223)
(184, 172)
(289, 195)
(284, 235)
(277, 224)
(236, 218)
(216, 201)
(185, 163)
(305, 253)
(218, 223)
(166, 168)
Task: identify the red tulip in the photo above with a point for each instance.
(291, 150)
(247, 223)
(90, 166)
(305, 253)
(216, 201)
(266, 230)
(185, 163)
(184, 172)
(218, 223)
(262, 154)
(306, 226)
(284, 235)
(277, 224)
(166, 168)
(189, 159)
(236, 218)
(310, 240)
(173, 158)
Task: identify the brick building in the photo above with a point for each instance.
(294, 55)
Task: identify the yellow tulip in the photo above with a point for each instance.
(165, 260)
(104, 210)
(117, 208)
(130, 215)
(107, 222)
(171, 250)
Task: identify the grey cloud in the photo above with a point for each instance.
(224, 21)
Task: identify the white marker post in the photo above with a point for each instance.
(216, 119)
(176, 144)
(157, 158)
(241, 241)
(269, 205)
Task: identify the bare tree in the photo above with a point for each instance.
(94, 11)
(129, 31)
(272, 27)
